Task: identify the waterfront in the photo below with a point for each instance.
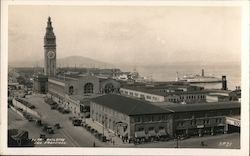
(71, 133)
(142, 105)
(168, 72)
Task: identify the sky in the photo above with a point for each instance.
(125, 35)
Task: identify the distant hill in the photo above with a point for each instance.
(72, 61)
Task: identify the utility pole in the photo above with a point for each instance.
(103, 127)
(177, 141)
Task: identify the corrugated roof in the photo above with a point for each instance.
(127, 105)
(201, 106)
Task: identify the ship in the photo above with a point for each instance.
(198, 78)
(134, 76)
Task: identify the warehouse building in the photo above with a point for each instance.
(153, 94)
(138, 119)
(129, 117)
(202, 118)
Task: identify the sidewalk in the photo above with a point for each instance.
(110, 135)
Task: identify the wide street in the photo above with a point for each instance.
(74, 136)
(225, 141)
(79, 137)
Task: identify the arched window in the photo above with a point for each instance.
(109, 88)
(88, 88)
(71, 90)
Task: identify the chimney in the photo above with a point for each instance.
(224, 83)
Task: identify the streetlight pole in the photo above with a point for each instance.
(177, 142)
(103, 127)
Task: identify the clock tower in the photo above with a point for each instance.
(49, 51)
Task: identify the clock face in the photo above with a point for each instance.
(51, 54)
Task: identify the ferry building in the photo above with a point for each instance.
(125, 112)
(71, 91)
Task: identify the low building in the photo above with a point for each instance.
(142, 93)
(202, 118)
(135, 118)
(130, 118)
(152, 95)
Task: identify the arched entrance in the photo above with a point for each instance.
(71, 90)
(88, 88)
(109, 88)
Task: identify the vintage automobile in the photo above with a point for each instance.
(77, 122)
(48, 129)
(54, 106)
(43, 136)
(57, 125)
(39, 122)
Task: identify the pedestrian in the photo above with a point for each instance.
(202, 143)
(94, 144)
(113, 142)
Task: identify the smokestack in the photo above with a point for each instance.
(224, 83)
(202, 72)
(177, 77)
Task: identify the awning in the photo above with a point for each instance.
(122, 124)
(162, 133)
(140, 134)
(151, 133)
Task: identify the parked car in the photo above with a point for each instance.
(45, 127)
(77, 122)
(88, 128)
(43, 136)
(50, 130)
(92, 130)
(72, 117)
(30, 119)
(103, 138)
(57, 125)
(67, 111)
(39, 122)
(60, 109)
(54, 106)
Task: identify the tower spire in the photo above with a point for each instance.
(49, 25)
(49, 38)
(49, 50)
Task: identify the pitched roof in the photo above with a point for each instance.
(128, 105)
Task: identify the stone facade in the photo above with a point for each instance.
(40, 84)
(74, 93)
(49, 50)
